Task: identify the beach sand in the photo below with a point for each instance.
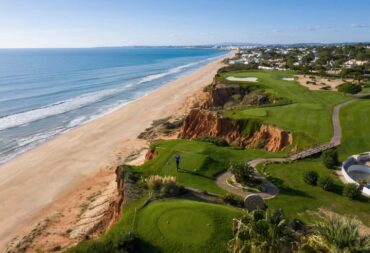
(44, 178)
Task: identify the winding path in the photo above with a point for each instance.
(270, 190)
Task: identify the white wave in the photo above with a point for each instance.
(39, 137)
(25, 144)
(23, 118)
(169, 72)
(77, 121)
(61, 107)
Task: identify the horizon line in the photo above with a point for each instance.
(198, 45)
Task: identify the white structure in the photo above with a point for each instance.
(358, 164)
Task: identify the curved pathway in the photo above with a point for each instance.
(270, 190)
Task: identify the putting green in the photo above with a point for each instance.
(185, 225)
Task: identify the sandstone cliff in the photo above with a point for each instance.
(220, 95)
(150, 154)
(200, 123)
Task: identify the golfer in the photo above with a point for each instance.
(177, 158)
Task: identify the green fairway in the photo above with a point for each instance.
(200, 162)
(355, 122)
(297, 198)
(308, 117)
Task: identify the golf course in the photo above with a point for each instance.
(183, 224)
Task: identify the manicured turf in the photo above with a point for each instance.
(185, 226)
(355, 122)
(308, 117)
(171, 225)
(200, 162)
(299, 199)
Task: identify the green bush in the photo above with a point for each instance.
(350, 88)
(243, 173)
(326, 183)
(330, 158)
(310, 177)
(218, 141)
(352, 191)
(233, 200)
(164, 186)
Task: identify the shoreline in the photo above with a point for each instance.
(33, 182)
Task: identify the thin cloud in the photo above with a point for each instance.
(360, 26)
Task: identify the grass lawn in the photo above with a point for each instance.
(171, 225)
(297, 198)
(185, 226)
(308, 117)
(355, 122)
(200, 162)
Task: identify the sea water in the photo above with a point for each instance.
(45, 92)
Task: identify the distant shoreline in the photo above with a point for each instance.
(36, 179)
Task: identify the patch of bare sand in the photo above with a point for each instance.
(54, 180)
(319, 83)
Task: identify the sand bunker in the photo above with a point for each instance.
(287, 78)
(243, 79)
(319, 83)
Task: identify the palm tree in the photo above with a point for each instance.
(339, 235)
(262, 232)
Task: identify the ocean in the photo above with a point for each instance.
(45, 92)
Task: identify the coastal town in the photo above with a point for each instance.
(331, 59)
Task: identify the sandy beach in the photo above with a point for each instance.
(43, 176)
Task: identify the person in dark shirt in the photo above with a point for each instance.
(177, 158)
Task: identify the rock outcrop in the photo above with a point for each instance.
(150, 154)
(200, 123)
(220, 94)
(231, 95)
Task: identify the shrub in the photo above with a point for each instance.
(155, 183)
(326, 183)
(362, 183)
(352, 191)
(350, 88)
(242, 172)
(233, 200)
(214, 140)
(310, 177)
(330, 158)
(163, 186)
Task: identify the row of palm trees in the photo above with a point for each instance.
(270, 232)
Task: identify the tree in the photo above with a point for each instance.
(264, 232)
(326, 183)
(330, 158)
(352, 191)
(243, 173)
(336, 235)
(310, 177)
(349, 88)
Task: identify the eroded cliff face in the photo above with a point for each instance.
(150, 154)
(229, 96)
(200, 123)
(220, 94)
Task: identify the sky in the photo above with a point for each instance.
(95, 23)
